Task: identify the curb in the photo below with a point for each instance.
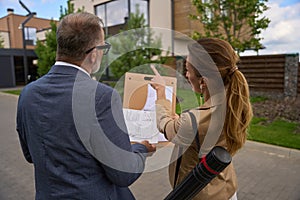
(2, 93)
(274, 150)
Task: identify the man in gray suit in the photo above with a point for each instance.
(72, 127)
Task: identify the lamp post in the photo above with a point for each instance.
(22, 26)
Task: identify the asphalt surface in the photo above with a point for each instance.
(265, 172)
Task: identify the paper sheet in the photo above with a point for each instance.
(151, 97)
(141, 124)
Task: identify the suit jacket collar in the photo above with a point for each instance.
(71, 65)
(65, 69)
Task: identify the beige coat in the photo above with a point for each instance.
(180, 132)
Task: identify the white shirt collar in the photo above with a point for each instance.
(71, 65)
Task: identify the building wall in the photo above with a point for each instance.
(12, 65)
(5, 37)
(159, 11)
(87, 5)
(182, 22)
(160, 17)
(4, 31)
(41, 35)
(10, 25)
(160, 14)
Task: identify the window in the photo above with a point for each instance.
(30, 35)
(115, 13)
(142, 6)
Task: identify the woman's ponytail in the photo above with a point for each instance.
(238, 112)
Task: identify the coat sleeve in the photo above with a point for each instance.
(21, 131)
(123, 163)
(178, 131)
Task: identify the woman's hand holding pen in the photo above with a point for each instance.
(158, 83)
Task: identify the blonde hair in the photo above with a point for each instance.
(238, 108)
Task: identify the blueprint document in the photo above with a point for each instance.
(141, 124)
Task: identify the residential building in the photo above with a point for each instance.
(12, 67)
(168, 18)
(162, 15)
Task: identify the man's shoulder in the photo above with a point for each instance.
(101, 87)
(104, 91)
(31, 86)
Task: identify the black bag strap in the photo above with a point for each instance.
(178, 163)
(195, 129)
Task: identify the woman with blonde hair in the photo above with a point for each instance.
(222, 120)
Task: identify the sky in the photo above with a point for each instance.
(44, 8)
(282, 35)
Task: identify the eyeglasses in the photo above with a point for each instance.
(105, 48)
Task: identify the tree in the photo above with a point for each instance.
(136, 35)
(237, 21)
(46, 50)
(70, 9)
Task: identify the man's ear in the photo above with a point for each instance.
(93, 57)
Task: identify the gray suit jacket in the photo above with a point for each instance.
(72, 129)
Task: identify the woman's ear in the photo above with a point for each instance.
(204, 80)
(203, 83)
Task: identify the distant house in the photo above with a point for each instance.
(169, 17)
(163, 14)
(12, 70)
(166, 14)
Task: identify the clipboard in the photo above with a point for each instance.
(141, 123)
(136, 90)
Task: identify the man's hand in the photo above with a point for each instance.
(150, 147)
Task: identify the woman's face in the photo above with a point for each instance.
(191, 76)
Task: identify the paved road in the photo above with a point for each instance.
(265, 172)
(16, 176)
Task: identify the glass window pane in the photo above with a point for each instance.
(100, 12)
(116, 12)
(30, 35)
(142, 6)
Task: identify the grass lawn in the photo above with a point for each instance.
(279, 132)
(16, 92)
